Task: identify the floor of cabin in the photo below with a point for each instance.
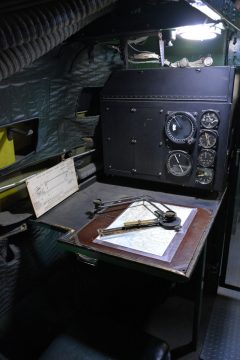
(173, 323)
(219, 334)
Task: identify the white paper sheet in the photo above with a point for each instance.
(153, 240)
(52, 186)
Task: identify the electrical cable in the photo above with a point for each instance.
(143, 62)
(141, 51)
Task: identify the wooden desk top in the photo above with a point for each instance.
(73, 215)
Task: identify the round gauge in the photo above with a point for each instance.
(207, 138)
(179, 163)
(209, 120)
(204, 176)
(180, 127)
(206, 158)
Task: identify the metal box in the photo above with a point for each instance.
(169, 125)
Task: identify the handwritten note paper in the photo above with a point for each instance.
(52, 186)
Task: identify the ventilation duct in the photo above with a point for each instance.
(26, 35)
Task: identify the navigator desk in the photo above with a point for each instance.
(73, 214)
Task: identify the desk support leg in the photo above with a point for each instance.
(198, 296)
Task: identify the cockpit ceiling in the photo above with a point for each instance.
(30, 29)
(146, 16)
(227, 9)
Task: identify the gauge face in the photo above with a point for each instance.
(207, 138)
(206, 158)
(179, 163)
(204, 176)
(209, 120)
(180, 127)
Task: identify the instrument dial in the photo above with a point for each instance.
(204, 176)
(209, 119)
(180, 127)
(179, 163)
(207, 138)
(206, 158)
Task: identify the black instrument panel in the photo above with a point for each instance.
(171, 141)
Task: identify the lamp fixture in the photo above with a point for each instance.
(205, 9)
(199, 32)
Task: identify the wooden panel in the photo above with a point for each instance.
(184, 259)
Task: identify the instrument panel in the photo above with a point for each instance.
(181, 128)
(181, 138)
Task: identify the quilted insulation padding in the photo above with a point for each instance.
(48, 90)
(9, 272)
(28, 34)
(33, 253)
(13, 5)
(3, 248)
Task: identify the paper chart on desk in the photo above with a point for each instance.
(153, 240)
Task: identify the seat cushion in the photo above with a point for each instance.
(65, 347)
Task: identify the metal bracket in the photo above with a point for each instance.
(15, 231)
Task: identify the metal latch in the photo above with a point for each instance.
(17, 230)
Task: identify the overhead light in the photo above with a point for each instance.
(199, 32)
(205, 9)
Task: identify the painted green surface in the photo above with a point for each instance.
(192, 50)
